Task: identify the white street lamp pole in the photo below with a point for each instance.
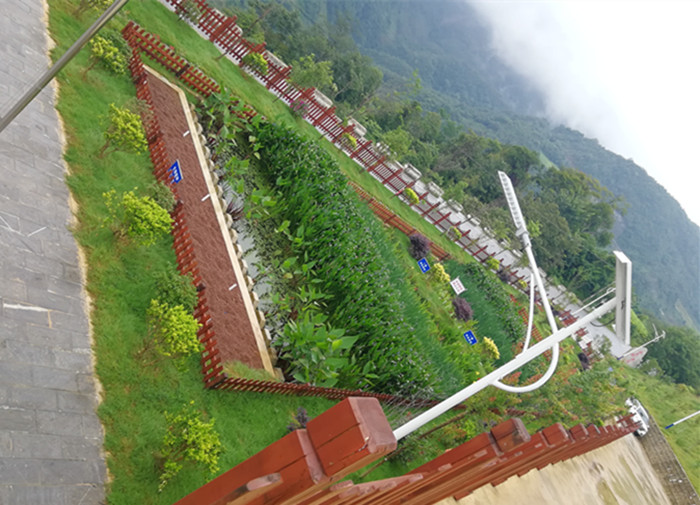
(495, 376)
(528, 354)
(46, 77)
(681, 420)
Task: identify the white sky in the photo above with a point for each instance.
(626, 72)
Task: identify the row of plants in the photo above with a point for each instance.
(325, 249)
(163, 431)
(343, 316)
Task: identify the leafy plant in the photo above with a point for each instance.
(439, 273)
(124, 132)
(140, 219)
(314, 351)
(411, 195)
(172, 330)
(420, 246)
(189, 439)
(492, 263)
(163, 195)
(463, 311)
(103, 50)
(256, 62)
(174, 289)
(189, 10)
(299, 420)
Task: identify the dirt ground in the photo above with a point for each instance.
(235, 336)
(616, 474)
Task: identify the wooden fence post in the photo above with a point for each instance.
(343, 439)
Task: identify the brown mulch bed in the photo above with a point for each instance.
(234, 333)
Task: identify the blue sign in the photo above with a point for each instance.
(423, 264)
(175, 173)
(470, 337)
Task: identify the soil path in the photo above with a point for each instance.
(237, 336)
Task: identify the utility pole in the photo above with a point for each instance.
(46, 77)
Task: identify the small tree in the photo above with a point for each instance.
(103, 50)
(491, 348)
(189, 438)
(141, 219)
(256, 62)
(172, 330)
(307, 72)
(124, 132)
(493, 264)
(420, 246)
(349, 141)
(411, 195)
(463, 311)
(189, 10)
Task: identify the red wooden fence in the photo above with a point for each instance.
(304, 467)
(224, 32)
(151, 45)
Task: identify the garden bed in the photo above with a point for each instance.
(239, 335)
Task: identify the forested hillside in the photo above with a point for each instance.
(446, 43)
(462, 79)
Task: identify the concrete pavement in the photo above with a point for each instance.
(50, 437)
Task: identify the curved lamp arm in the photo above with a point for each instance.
(540, 382)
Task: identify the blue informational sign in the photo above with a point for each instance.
(174, 172)
(470, 337)
(423, 264)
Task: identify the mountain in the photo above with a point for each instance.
(450, 47)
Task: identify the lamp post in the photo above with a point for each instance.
(528, 354)
(46, 77)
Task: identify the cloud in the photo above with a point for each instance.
(620, 71)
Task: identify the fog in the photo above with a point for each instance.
(623, 72)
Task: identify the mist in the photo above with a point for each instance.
(622, 72)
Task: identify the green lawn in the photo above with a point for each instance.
(120, 280)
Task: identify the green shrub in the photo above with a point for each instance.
(124, 132)
(174, 289)
(104, 51)
(492, 263)
(188, 439)
(439, 274)
(140, 219)
(256, 62)
(411, 196)
(163, 195)
(349, 140)
(85, 5)
(172, 330)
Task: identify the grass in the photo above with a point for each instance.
(137, 391)
(120, 283)
(668, 402)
